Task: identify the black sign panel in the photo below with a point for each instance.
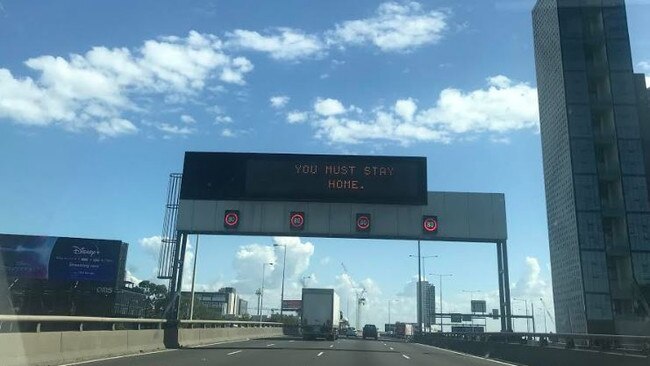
(313, 178)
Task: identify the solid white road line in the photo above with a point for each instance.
(468, 355)
(118, 357)
(406, 357)
(269, 345)
(233, 353)
(222, 342)
(320, 354)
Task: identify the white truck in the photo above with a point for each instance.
(320, 313)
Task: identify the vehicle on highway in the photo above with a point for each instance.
(320, 314)
(351, 332)
(370, 331)
(404, 330)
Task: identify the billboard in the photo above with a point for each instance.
(219, 176)
(291, 305)
(62, 259)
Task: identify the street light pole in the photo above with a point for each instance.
(440, 276)
(196, 252)
(262, 291)
(526, 304)
(284, 265)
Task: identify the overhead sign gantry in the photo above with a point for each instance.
(345, 196)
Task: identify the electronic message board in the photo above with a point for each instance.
(305, 178)
(62, 259)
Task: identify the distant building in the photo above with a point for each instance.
(225, 302)
(595, 130)
(428, 304)
(242, 308)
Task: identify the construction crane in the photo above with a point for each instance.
(360, 294)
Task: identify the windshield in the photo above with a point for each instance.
(286, 176)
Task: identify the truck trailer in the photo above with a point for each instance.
(320, 314)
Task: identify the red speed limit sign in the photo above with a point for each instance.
(297, 220)
(231, 219)
(363, 222)
(430, 224)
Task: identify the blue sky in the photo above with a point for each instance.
(99, 100)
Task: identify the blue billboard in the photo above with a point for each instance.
(62, 259)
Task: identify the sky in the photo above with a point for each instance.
(99, 101)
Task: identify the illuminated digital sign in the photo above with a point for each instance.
(363, 222)
(231, 219)
(297, 220)
(429, 224)
(305, 178)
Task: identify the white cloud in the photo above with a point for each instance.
(131, 277)
(227, 132)
(94, 90)
(222, 119)
(405, 108)
(279, 101)
(328, 107)
(325, 261)
(647, 82)
(115, 127)
(644, 66)
(281, 44)
(151, 245)
(533, 285)
(503, 106)
(175, 130)
(394, 27)
(187, 119)
(297, 117)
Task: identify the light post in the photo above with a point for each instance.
(284, 265)
(419, 284)
(389, 301)
(440, 276)
(196, 252)
(262, 292)
(526, 304)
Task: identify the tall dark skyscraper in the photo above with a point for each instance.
(595, 129)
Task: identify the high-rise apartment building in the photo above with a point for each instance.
(595, 131)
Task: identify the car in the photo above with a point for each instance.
(370, 331)
(350, 332)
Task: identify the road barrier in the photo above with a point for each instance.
(542, 349)
(53, 340)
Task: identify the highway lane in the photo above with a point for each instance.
(288, 351)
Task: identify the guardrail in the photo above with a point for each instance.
(639, 345)
(38, 323)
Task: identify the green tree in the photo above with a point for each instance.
(157, 298)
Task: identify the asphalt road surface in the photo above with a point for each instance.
(296, 352)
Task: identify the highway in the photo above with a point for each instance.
(289, 351)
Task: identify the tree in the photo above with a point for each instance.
(157, 298)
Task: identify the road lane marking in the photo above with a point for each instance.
(222, 342)
(406, 357)
(292, 341)
(331, 345)
(392, 349)
(269, 345)
(232, 353)
(468, 355)
(118, 357)
(320, 354)
(384, 344)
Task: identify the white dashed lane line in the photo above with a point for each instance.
(233, 353)
(320, 354)
(406, 357)
(269, 345)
